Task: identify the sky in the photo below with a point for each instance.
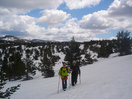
(60, 20)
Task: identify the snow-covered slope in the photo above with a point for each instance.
(107, 79)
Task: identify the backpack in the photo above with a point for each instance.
(65, 67)
(64, 72)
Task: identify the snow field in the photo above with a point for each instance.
(107, 79)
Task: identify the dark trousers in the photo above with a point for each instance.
(64, 84)
(74, 78)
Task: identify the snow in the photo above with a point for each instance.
(93, 54)
(9, 39)
(59, 63)
(97, 45)
(81, 46)
(107, 79)
(114, 55)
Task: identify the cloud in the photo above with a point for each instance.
(30, 4)
(23, 24)
(47, 4)
(77, 4)
(53, 17)
(96, 21)
(13, 24)
(117, 16)
(11, 21)
(70, 29)
(11, 11)
(121, 8)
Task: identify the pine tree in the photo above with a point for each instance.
(124, 42)
(29, 66)
(2, 82)
(105, 50)
(36, 54)
(88, 60)
(47, 63)
(6, 68)
(73, 52)
(9, 91)
(18, 65)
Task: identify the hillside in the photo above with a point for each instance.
(24, 60)
(106, 79)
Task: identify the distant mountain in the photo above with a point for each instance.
(39, 40)
(11, 38)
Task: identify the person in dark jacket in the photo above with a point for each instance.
(75, 71)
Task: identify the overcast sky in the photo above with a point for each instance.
(62, 19)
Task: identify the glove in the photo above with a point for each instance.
(59, 74)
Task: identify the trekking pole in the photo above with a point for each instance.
(58, 85)
(69, 81)
(80, 78)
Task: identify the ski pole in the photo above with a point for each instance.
(69, 81)
(80, 78)
(58, 85)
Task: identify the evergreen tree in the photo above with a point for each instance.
(47, 63)
(105, 50)
(2, 82)
(18, 66)
(124, 42)
(73, 52)
(36, 54)
(9, 91)
(6, 68)
(29, 66)
(88, 60)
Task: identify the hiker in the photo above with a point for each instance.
(63, 72)
(75, 71)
